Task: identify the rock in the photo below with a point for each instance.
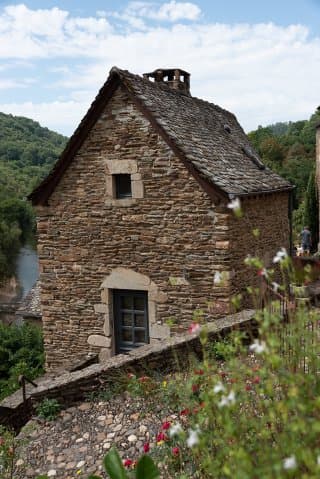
(52, 473)
(80, 464)
(132, 438)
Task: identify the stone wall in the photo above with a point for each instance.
(269, 215)
(170, 232)
(169, 355)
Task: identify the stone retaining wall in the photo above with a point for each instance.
(71, 387)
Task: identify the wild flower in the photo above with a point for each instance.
(275, 286)
(128, 462)
(161, 438)
(146, 447)
(290, 463)
(175, 451)
(263, 272)
(227, 400)
(193, 438)
(280, 256)
(217, 279)
(166, 425)
(218, 388)
(234, 204)
(194, 328)
(185, 412)
(175, 429)
(258, 347)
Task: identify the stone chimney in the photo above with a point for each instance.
(175, 78)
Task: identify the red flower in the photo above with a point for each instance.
(194, 328)
(256, 380)
(195, 388)
(128, 462)
(223, 374)
(185, 412)
(199, 372)
(146, 447)
(166, 425)
(248, 387)
(175, 451)
(161, 437)
(130, 375)
(143, 379)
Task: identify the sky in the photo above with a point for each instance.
(260, 60)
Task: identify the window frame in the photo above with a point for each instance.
(122, 346)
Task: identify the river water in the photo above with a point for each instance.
(27, 270)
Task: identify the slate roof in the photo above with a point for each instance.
(206, 136)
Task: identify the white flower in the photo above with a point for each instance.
(234, 204)
(193, 438)
(175, 429)
(217, 277)
(258, 347)
(280, 256)
(218, 388)
(275, 286)
(227, 400)
(289, 463)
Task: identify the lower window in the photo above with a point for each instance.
(131, 319)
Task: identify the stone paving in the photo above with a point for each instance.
(74, 445)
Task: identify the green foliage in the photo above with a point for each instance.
(7, 453)
(289, 149)
(21, 352)
(311, 211)
(27, 153)
(48, 409)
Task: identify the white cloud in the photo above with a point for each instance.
(57, 115)
(170, 12)
(263, 72)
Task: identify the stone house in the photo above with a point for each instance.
(133, 223)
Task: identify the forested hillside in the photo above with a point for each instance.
(289, 149)
(27, 152)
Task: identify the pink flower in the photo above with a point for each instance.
(128, 462)
(166, 425)
(144, 379)
(195, 388)
(185, 412)
(146, 447)
(175, 451)
(194, 328)
(256, 380)
(161, 437)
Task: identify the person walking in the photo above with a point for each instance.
(306, 240)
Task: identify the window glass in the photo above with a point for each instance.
(123, 186)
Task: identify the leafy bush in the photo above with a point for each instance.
(21, 352)
(48, 409)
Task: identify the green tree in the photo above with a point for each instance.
(311, 211)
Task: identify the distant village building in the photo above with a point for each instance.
(133, 223)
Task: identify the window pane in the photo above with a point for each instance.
(126, 335)
(126, 302)
(140, 336)
(139, 303)
(126, 319)
(139, 320)
(123, 186)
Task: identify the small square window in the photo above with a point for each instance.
(123, 186)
